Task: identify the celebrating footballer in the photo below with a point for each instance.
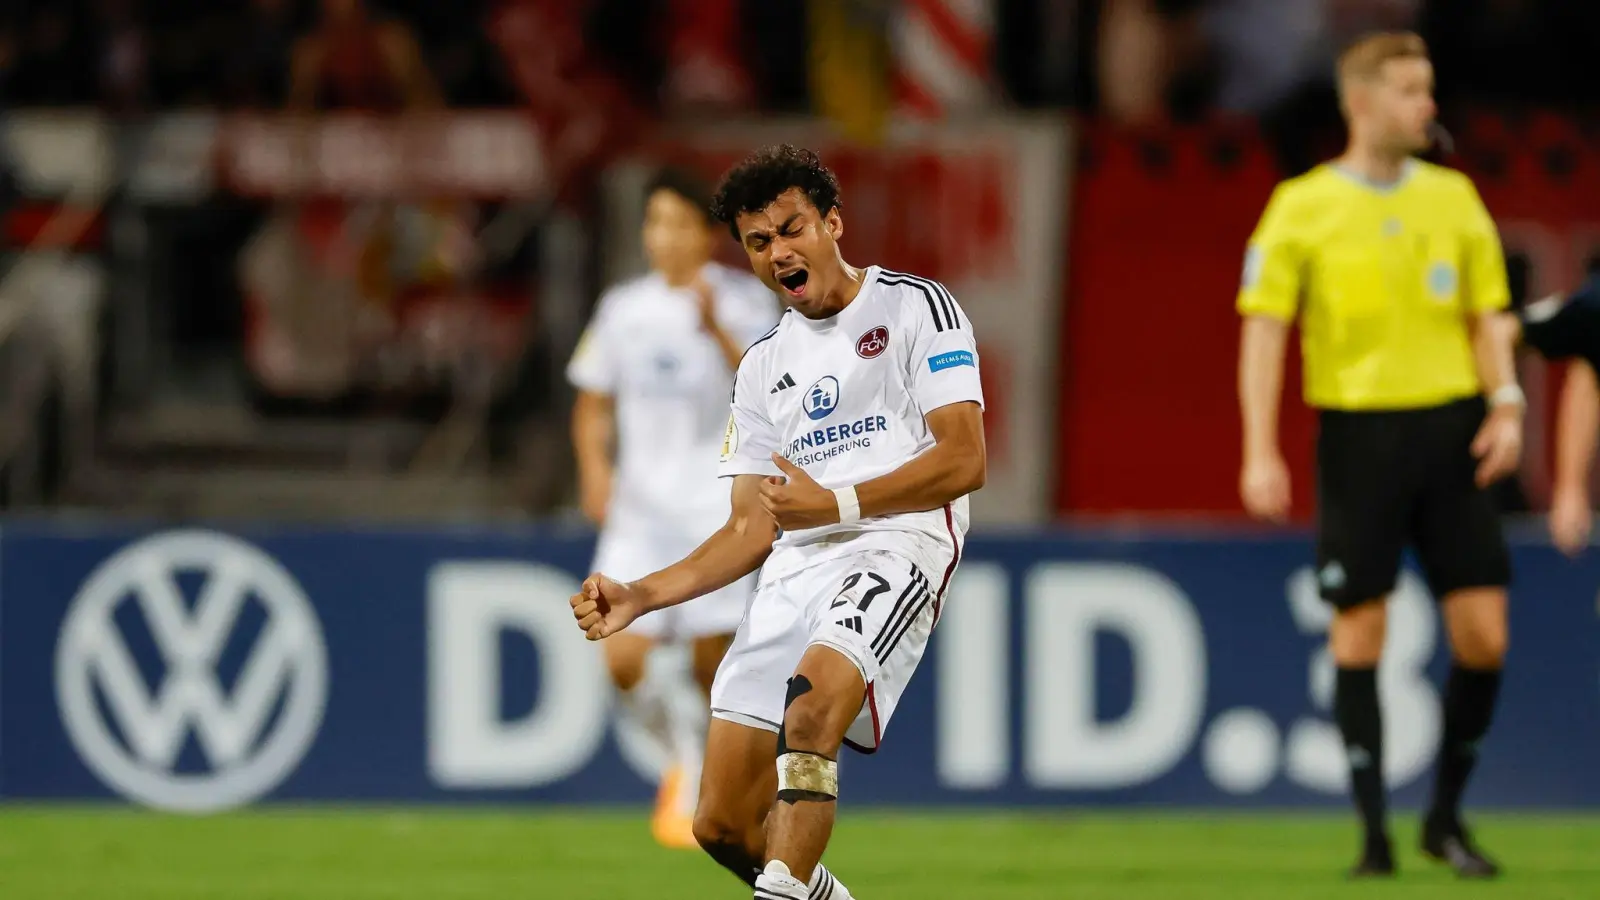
(855, 437)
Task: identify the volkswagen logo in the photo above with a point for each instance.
(252, 728)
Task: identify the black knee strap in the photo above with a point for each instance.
(799, 686)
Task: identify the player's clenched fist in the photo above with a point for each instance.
(797, 501)
(605, 606)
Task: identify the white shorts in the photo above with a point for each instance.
(626, 554)
(875, 607)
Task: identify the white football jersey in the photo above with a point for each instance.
(670, 381)
(844, 399)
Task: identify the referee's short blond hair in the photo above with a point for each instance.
(1364, 59)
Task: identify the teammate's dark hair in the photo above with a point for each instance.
(762, 176)
(687, 185)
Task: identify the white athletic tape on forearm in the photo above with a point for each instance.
(849, 506)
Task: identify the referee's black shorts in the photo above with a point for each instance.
(1389, 479)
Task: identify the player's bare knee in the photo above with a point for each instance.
(716, 830)
(728, 821)
(736, 848)
(824, 696)
(805, 727)
(626, 672)
(810, 721)
(626, 660)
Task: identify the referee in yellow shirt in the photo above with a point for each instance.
(1394, 272)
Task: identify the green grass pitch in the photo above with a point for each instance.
(88, 853)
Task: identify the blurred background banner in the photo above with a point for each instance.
(981, 205)
(494, 154)
(849, 65)
(199, 669)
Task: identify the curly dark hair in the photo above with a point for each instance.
(689, 186)
(762, 176)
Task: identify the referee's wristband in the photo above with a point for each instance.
(849, 506)
(1508, 395)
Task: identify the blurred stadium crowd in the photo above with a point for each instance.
(1132, 60)
(283, 331)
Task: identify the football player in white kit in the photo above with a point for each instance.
(653, 373)
(855, 437)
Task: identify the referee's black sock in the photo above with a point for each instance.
(1469, 699)
(1355, 707)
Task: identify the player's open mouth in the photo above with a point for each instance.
(795, 282)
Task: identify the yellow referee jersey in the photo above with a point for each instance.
(1383, 280)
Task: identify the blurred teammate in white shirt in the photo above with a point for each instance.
(855, 437)
(653, 371)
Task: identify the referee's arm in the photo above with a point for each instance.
(1268, 301)
(1498, 444)
(1264, 481)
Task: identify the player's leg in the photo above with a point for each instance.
(706, 625)
(625, 555)
(1464, 552)
(627, 654)
(872, 620)
(669, 708)
(640, 698)
(651, 698)
(627, 658)
(690, 725)
(740, 778)
(691, 712)
(1361, 534)
(824, 697)
(736, 790)
(686, 712)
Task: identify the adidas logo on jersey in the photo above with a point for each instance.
(785, 382)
